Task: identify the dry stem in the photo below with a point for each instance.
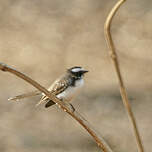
(99, 140)
(113, 56)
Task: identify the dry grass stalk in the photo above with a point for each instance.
(113, 56)
(83, 122)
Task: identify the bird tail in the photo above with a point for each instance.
(25, 95)
(44, 98)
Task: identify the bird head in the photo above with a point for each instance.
(77, 71)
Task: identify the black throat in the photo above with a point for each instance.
(73, 80)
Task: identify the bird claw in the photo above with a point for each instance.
(72, 107)
(68, 105)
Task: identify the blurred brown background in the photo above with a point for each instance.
(44, 37)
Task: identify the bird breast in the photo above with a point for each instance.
(71, 91)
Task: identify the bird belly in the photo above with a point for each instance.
(71, 91)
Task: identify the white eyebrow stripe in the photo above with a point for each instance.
(76, 69)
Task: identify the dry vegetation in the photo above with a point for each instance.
(53, 33)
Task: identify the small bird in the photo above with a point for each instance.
(65, 87)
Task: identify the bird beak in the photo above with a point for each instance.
(85, 71)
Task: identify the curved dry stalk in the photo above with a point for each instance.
(63, 105)
(113, 56)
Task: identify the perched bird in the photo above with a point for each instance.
(65, 87)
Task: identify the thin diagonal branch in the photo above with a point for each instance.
(113, 56)
(83, 122)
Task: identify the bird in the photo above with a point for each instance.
(65, 87)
